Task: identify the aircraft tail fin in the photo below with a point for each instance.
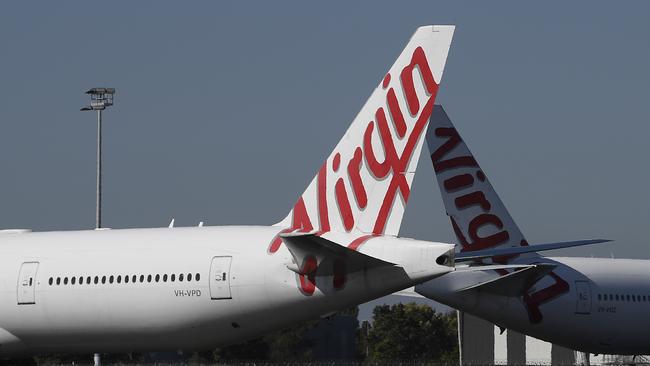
(479, 219)
(481, 222)
(364, 184)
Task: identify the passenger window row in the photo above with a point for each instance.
(631, 298)
(80, 280)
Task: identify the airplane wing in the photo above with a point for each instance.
(329, 256)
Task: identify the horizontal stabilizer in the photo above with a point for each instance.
(309, 251)
(498, 252)
(493, 267)
(514, 283)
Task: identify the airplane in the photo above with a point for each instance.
(159, 289)
(593, 305)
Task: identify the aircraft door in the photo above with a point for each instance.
(220, 278)
(583, 303)
(27, 283)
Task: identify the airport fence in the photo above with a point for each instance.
(261, 363)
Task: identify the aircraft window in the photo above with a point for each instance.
(616, 297)
(198, 277)
(119, 279)
(189, 277)
(157, 278)
(134, 279)
(103, 279)
(180, 277)
(628, 297)
(141, 278)
(96, 280)
(73, 280)
(173, 277)
(598, 297)
(65, 281)
(110, 279)
(126, 279)
(58, 280)
(81, 280)
(149, 278)
(88, 280)
(164, 278)
(633, 298)
(51, 281)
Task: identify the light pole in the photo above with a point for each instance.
(100, 99)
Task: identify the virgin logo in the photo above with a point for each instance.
(461, 187)
(364, 162)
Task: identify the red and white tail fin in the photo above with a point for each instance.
(364, 184)
(479, 218)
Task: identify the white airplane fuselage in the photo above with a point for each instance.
(594, 305)
(178, 288)
(195, 288)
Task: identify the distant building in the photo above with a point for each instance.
(485, 344)
(334, 337)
